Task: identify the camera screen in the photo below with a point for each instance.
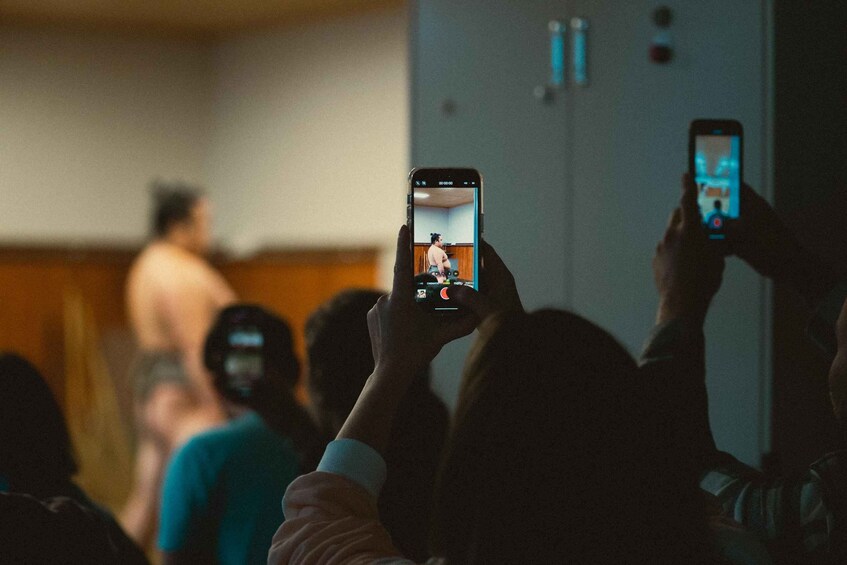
(446, 228)
(244, 362)
(249, 337)
(717, 173)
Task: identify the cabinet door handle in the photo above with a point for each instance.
(557, 53)
(546, 93)
(579, 27)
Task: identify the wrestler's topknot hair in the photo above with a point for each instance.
(172, 204)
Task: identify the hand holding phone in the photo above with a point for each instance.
(687, 268)
(405, 338)
(498, 293)
(715, 164)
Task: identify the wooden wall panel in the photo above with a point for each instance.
(33, 289)
(464, 253)
(29, 313)
(420, 261)
(294, 284)
(35, 281)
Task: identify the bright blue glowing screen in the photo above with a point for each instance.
(717, 172)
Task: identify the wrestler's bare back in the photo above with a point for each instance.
(173, 296)
(438, 258)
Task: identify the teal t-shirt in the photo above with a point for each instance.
(223, 491)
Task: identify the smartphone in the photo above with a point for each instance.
(715, 150)
(445, 216)
(244, 360)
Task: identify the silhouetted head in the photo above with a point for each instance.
(553, 454)
(340, 358)
(34, 441)
(182, 213)
(250, 353)
(718, 205)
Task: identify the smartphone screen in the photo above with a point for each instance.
(445, 215)
(716, 169)
(244, 362)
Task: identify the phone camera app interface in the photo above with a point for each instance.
(445, 246)
(717, 160)
(244, 363)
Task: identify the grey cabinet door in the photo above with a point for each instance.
(475, 66)
(578, 188)
(628, 150)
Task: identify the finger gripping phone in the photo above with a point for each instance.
(715, 163)
(444, 215)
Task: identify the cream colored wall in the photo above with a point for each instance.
(86, 120)
(300, 134)
(309, 142)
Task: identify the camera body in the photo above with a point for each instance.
(249, 352)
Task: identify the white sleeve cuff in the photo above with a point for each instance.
(356, 461)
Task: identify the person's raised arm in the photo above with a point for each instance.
(331, 514)
(687, 273)
(404, 339)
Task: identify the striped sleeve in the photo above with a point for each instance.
(800, 518)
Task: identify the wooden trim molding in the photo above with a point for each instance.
(124, 255)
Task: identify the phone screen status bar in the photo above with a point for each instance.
(447, 183)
